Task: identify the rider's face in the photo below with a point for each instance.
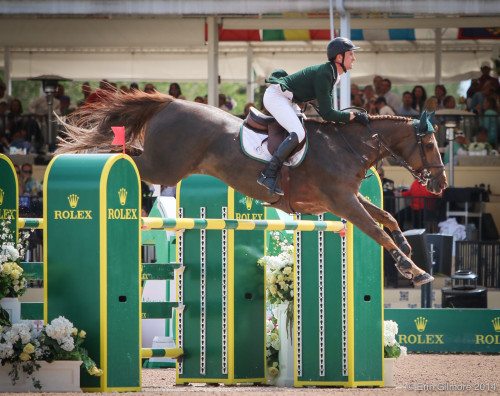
(349, 60)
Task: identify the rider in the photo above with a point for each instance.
(314, 82)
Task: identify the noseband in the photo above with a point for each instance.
(423, 175)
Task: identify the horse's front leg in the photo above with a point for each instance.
(353, 211)
(388, 221)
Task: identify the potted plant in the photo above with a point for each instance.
(392, 350)
(12, 281)
(49, 357)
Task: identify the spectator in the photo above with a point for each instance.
(391, 98)
(18, 140)
(377, 84)
(421, 201)
(485, 76)
(490, 120)
(440, 94)
(65, 105)
(459, 147)
(4, 144)
(474, 87)
(20, 184)
(477, 101)
(223, 103)
(382, 108)
(199, 99)
(3, 92)
(39, 106)
(431, 104)
(124, 89)
(175, 91)
(369, 99)
(104, 91)
(149, 88)
(406, 110)
(3, 116)
(246, 109)
(357, 100)
(15, 115)
(31, 186)
(449, 102)
(419, 98)
(134, 87)
(86, 92)
(355, 90)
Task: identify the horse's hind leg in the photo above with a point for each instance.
(388, 221)
(353, 211)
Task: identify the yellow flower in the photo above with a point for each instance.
(82, 334)
(273, 371)
(15, 274)
(95, 371)
(287, 270)
(29, 348)
(273, 289)
(24, 356)
(74, 332)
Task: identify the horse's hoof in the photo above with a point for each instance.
(405, 271)
(422, 279)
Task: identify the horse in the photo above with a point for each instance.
(170, 139)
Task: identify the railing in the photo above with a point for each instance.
(483, 258)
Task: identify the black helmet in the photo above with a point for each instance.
(339, 45)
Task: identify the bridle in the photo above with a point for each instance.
(423, 176)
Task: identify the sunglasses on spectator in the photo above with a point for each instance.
(27, 171)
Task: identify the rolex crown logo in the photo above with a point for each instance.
(122, 194)
(249, 203)
(1, 196)
(420, 323)
(496, 323)
(73, 200)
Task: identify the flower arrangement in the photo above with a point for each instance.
(12, 281)
(22, 346)
(272, 346)
(392, 348)
(279, 271)
(479, 147)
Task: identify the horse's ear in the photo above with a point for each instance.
(422, 125)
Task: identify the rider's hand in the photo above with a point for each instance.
(362, 118)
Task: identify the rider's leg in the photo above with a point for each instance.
(280, 105)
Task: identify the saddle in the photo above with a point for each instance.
(267, 125)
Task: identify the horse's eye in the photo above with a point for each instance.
(429, 146)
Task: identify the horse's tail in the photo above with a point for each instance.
(89, 127)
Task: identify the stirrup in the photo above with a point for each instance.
(271, 183)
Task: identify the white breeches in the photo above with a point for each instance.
(280, 105)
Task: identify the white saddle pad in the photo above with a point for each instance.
(254, 145)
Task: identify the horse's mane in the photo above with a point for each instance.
(371, 117)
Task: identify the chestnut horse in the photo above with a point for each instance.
(175, 138)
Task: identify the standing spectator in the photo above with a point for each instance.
(422, 201)
(477, 101)
(382, 108)
(86, 92)
(440, 94)
(419, 98)
(406, 110)
(3, 92)
(449, 102)
(485, 76)
(391, 98)
(369, 99)
(15, 115)
(377, 84)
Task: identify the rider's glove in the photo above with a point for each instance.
(362, 118)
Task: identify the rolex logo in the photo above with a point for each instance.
(496, 323)
(420, 323)
(73, 200)
(249, 203)
(1, 196)
(122, 194)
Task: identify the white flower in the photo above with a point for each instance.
(59, 329)
(68, 344)
(11, 252)
(6, 350)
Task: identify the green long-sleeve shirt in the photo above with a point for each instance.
(313, 82)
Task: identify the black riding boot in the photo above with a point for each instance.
(269, 177)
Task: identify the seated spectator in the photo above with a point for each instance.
(391, 98)
(31, 186)
(459, 147)
(440, 94)
(369, 97)
(490, 120)
(149, 88)
(18, 139)
(175, 91)
(86, 92)
(431, 104)
(449, 102)
(382, 108)
(406, 110)
(199, 99)
(481, 141)
(357, 100)
(476, 104)
(134, 86)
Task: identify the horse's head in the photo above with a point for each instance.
(424, 157)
